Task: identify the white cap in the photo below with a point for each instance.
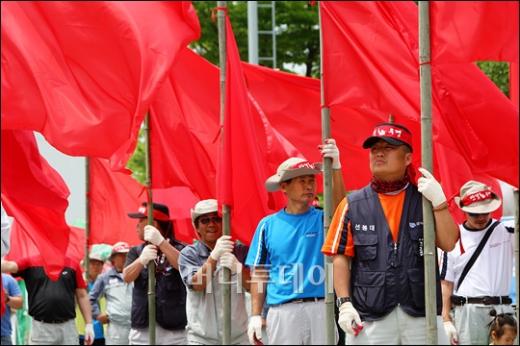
(476, 197)
(291, 168)
(205, 206)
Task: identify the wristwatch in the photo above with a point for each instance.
(341, 300)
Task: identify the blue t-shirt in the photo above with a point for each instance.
(98, 326)
(290, 246)
(12, 289)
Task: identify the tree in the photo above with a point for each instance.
(297, 33)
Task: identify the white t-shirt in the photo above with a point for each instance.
(491, 273)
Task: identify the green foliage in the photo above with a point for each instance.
(137, 162)
(498, 72)
(296, 26)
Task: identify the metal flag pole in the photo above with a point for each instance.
(330, 319)
(151, 264)
(427, 162)
(226, 215)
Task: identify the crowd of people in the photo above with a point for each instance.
(375, 239)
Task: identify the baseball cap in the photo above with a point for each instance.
(477, 198)
(205, 206)
(291, 168)
(160, 212)
(391, 133)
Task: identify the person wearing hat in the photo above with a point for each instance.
(287, 265)
(376, 240)
(96, 261)
(118, 296)
(200, 266)
(475, 287)
(161, 247)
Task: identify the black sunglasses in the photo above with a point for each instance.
(477, 214)
(206, 219)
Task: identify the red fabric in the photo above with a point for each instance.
(83, 73)
(371, 69)
(2, 297)
(35, 195)
(113, 195)
(513, 84)
(466, 31)
(243, 164)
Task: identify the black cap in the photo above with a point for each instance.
(160, 212)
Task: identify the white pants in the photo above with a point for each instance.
(162, 336)
(297, 324)
(117, 334)
(54, 333)
(397, 328)
(471, 322)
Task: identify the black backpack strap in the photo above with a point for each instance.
(477, 253)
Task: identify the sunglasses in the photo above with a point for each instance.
(206, 219)
(477, 214)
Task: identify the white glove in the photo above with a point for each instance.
(329, 149)
(153, 235)
(228, 260)
(224, 244)
(254, 329)
(450, 330)
(348, 315)
(149, 254)
(430, 188)
(89, 334)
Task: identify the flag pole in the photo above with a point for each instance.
(427, 162)
(151, 264)
(87, 212)
(517, 257)
(330, 319)
(226, 215)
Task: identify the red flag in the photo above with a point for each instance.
(113, 195)
(466, 31)
(371, 69)
(243, 158)
(35, 195)
(25, 247)
(83, 73)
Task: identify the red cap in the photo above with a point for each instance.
(391, 133)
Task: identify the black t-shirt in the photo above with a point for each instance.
(51, 301)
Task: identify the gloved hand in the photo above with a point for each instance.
(347, 316)
(450, 330)
(89, 334)
(228, 260)
(254, 329)
(149, 254)
(153, 235)
(430, 188)
(329, 149)
(224, 244)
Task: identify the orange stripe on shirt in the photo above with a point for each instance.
(392, 207)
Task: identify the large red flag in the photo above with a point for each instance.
(35, 195)
(83, 73)
(24, 247)
(242, 165)
(371, 69)
(113, 195)
(466, 31)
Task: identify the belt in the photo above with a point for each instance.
(300, 300)
(487, 300)
(51, 322)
